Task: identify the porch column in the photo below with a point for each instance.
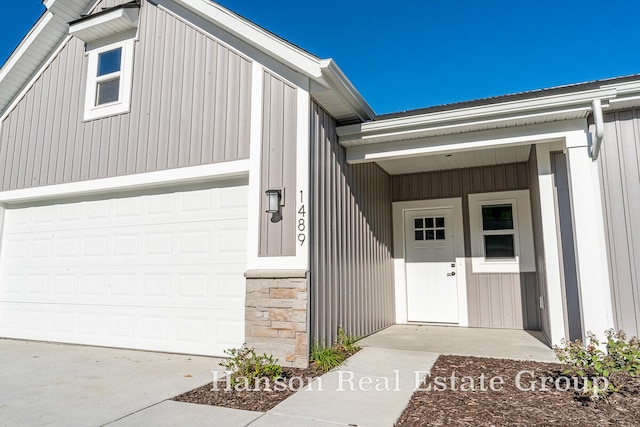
(589, 236)
(552, 271)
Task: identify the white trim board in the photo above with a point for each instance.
(399, 209)
(145, 180)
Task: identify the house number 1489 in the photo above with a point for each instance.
(302, 221)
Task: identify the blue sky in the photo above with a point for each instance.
(411, 54)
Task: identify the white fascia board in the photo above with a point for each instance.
(255, 36)
(186, 175)
(471, 141)
(358, 134)
(325, 72)
(31, 37)
(346, 90)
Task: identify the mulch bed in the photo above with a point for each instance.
(512, 406)
(250, 400)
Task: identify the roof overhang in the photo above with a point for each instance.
(542, 109)
(37, 46)
(329, 86)
(480, 135)
(109, 23)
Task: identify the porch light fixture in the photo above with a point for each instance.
(274, 200)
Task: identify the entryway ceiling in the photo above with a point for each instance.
(456, 160)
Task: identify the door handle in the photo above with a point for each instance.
(453, 273)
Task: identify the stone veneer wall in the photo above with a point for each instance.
(276, 315)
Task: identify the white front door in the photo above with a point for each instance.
(430, 257)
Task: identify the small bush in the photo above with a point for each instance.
(618, 364)
(347, 343)
(326, 358)
(249, 367)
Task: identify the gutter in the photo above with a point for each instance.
(345, 89)
(596, 106)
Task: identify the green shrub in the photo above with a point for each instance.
(248, 367)
(619, 362)
(326, 358)
(347, 343)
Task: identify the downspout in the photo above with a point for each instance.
(596, 105)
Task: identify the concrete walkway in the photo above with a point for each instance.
(55, 384)
(496, 343)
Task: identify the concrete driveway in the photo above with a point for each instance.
(48, 384)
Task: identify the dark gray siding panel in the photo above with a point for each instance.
(494, 300)
(538, 243)
(620, 171)
(279, 135)
(190, 106)
(351, 262)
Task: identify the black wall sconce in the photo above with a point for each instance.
(275, 200)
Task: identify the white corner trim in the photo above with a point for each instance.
(525, 254)
(145, 180)
(398, 220)
(589, 237)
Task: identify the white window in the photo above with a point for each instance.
(501, 232)
(498, 231)
(109, 78)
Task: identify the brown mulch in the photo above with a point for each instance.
(511, 406)
(250, 400)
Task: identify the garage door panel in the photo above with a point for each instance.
(191, 206)
(202, 331)
(159, 272)
(202, 242)
(185, 286)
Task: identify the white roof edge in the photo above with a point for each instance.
(43, 29)
(255, 35)
(25, 43)
(462, 116)
(350, 94)
(323, 71)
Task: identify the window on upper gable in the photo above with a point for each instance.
(109, 80)
(109, 38)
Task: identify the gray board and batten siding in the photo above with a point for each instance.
(279, 137)
(505, 300)
(351, 283)
(620, 178)
(190, 105)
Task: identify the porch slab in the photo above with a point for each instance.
(497, 343)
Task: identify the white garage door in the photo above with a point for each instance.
(155, 272)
